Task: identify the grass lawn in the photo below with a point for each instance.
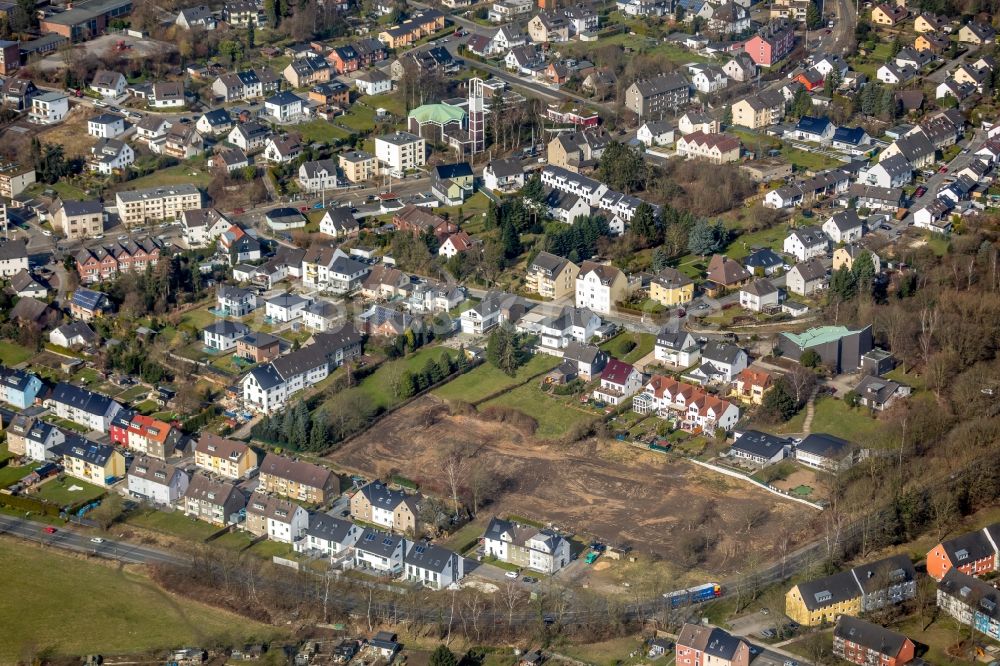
(233, 541)
(58, 491)
(834, 417)
(226, 364)
(321, 130)
(177, 175)
(643, 345)
(5, 452)
(132, 394)
(468, 533)
(487, 380)
(10, 474)
(472, 210)
(912, 379)
(611, 652)
(743, 244)
(393, 103)
(555, 417)
(268, 549)
(199, 318)
(59, 599)
(12, 353)
(938, 243)
(175, 523)
(87, 376)
(360, 118)
(806, 159)
(378, 387)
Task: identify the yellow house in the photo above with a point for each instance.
(927, 23)
(932, 41)
(845, 256)
(671, 287)
(91, 462)
(358, 165)
(824, 600)
(225, 457)
(760, 110)
(886, 14)
(976, 33)
(551, 276)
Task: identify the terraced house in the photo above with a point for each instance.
(216, 502)
(268, 388)
(296, 479)
(144, 434)
(99, 464)
(104, 262)
(225, 457)
(275, 518)
(862, 589)
(91, 410)
(971, 601)
(539, 549)
(972, 553)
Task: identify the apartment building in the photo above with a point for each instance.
(401, 151)
(225, 457)
(157, 203)
(299, 480)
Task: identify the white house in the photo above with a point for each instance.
(110, 155)
(889, 172)
(373, 82)
(655, 133)
(328, 536)
(41, 440)
(91, 410)
(401, 151)
(483, 316)
(223, 334)
(284, 106)
(572, 324)
(203, 226)
(106, 126)
(108, 84)
(677, 348)
(285, 307)
(758, 295)
(318, 176)
(167, 95)
(503, 175)
(599, 287)
(338, 222)
(380, 552)
(844, 226)
(760, 448)
(281, 150)
(267, 388)
(805, 243)
(432, 566)
(720, 362)
(155, 481)
(48, 108)
(707, 78)
(619, 381)
(279, 519)
(933, 216)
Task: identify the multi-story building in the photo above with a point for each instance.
(13, 255)
(698, 645)
(867, 644)
(48, 108)
(358, 165)
(692, 406)
(400, 151)
(268, 388)
(864, 588)
(759, 110)
(651, 98)
(19, 387)
(328, 536)
(550, 276)
(144, 434)
(99, 464)
(715, 148)
(542, 550)
(157, 203)
(971, 601)
(155, 481)
(379, 552)
(106, 261)
(432, 566)
(91, 410)
(599, 287)
(10, 56)
(84, 20)
(670, 287)
(78, 219)
(14, 179)
(771, 44)
(299, 480)
(972, 553)
(216, 502)
(396, 510)
(225, 457)
(203, 226)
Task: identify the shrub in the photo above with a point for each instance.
(513, 417)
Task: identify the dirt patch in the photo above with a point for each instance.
(606, 490)
(104, 46)
(802, 477)
(71, 134)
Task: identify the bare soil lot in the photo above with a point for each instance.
(601, 489)
(139, 49)
(71, 134)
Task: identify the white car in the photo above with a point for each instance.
(511, 574)
(97, 540)
(46, 232)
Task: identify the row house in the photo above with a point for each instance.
(357, 56)
(420, 25)
(867, 644)
(155, 481)
(308, 71)
(700, 645)
(299, 480)
(692, 406)
(971, 601)
(212, 500)
(972, 553)
(274, 518)
(99, 464)
(144, 434)
(561, 179)
(227, 458)
(94, 411)
(104, 262)
(715, 148)
(269, 387)
(328, 536)
(246, 85)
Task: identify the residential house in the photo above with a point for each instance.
(110, 155)
(214, 122)
(48, 108)
(277, 519)
(716, 148)
(19, 387)
(696, 121)
(588, 360)
(234, 301)
(915, 147)
(973, 553)
(599, 287)
(727, 273)
(893, 74)
(976, 33)
(844, 226)
(13, 257)
(575, 150)
(720, 362)
(933, 42)
(971, 601)
(889, 172)
(373, 82)
(458, 243)
(203, 226)
(144, 434)
(249, 137)
(38, 440)
(934, 215)
(167, 95)
(759, 295)
(541, 550)
(806, 277)
(806, 243)
(547, 28)
(396, 510)
(106, 126)
(651, 98)
(281, 150)
(928, 22)
(400, 151)
(151, 128)
(691, 407)
(864, 588)
(339, 223)
(728, 18)
(227, 458)
(318, 175)
(307, 71)
(760, 448)
(258, 347)
(699, 645)
(108, 84)
(358, 165)
(299, 480)
(99, 464)
(503, 175)
(851, 140)
(432, 566)
(196, 17)
(268, 388)
(740, 68)
(619, 381)
(24, 283)
(750, 385)
(763, 262)
(73, 334)
(216, 502)
(328, 536)
(379, 552)
(655, 133)
(707, 79)
(285, 307)
(878, 394)
(92, 410)
(222, 335)
(844, 257)
(864, 643)
(889, 15)
(284, 106)
(155, 481)
(677, 348)
(759, 110)
(670, 288)
(570, 325)
(825, 452)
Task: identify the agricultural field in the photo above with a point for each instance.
(58, 598)
(590, 486)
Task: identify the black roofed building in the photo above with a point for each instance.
(654, 97)
(825, 452)
(864, 643)
(760, 448)
(267, 388)
(328, 535)
(433, 566)
(91, 410)
(380, 552)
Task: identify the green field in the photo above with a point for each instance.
(379, 387)
(773, 238)
(808, 160)
(58, 491)
(834, 417)
(643, 345)
(12, 353)
(175, 523)
(487, 380)
(199, 318)
(360, 118)
(321, 130)
(176, 175)
(73, 607)
(11, 474)
(555, 417)
(392, 102)
(132, 393)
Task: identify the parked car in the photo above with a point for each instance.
(921, 191)
(511, 574)
(97, 540)
(49, 530)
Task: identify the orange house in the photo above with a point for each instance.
(973, 553)
(863, 643)
(811, 79)
(750, 386)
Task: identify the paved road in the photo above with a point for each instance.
(936, 182)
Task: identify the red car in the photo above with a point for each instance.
(943, 169)
(49, 530)
(304, 209)
(921, 191)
